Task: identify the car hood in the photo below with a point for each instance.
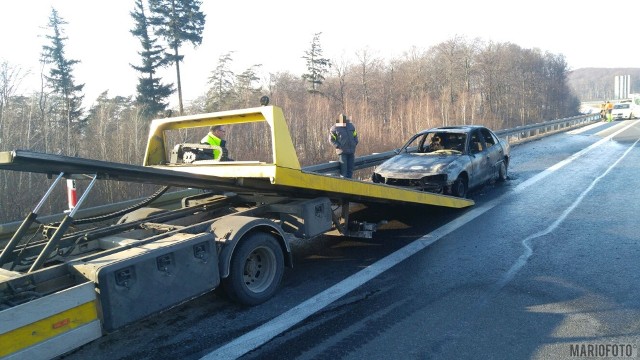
(414, 165)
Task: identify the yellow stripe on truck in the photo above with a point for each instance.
(50, 325)
(47, 328)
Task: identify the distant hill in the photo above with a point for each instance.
(595, 84)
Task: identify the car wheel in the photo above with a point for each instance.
(502, 172)
(459, 187)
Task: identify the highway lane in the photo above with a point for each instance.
(475, 292)
(551, 266)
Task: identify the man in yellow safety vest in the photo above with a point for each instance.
(609, 108)
(215, 138)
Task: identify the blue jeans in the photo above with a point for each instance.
(346, 165)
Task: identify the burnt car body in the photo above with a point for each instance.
(464, 158)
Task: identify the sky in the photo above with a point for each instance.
(276, 34)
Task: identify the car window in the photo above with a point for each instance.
(454, 141)
(431, 142)
(415, 143)
(439, 140)
(489, 139)
(475, 143)
(422, 142)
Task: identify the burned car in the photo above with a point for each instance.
(447, 160)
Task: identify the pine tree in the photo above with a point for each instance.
(60, 77)
(248, 86)
(222, 81)
(152, 94)
(317, 66)
(178, 21)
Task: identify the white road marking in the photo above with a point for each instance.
(264, 333)
(586, 128)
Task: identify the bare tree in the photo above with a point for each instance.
(10, 79)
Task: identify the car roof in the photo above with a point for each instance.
(453, 129)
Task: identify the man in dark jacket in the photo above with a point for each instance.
(344, 138)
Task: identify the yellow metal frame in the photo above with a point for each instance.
(285, 169)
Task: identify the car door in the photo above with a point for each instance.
(494, 153)
(479, 172)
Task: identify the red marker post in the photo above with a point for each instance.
(72, 195)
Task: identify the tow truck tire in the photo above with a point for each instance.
(256, 269)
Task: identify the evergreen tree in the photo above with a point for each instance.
(317, 66)
(152, 94)
(248, 86)
(222, 81)
(60, 77)
(178, 21)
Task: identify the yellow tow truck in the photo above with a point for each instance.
(69, 287)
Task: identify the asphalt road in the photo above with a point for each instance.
(544, 266)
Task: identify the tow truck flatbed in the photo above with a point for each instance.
(286, 182)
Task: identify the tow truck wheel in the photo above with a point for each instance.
(256, 270)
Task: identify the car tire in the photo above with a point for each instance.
(502, 171)
(459, 187)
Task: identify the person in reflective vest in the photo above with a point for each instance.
(344, 138)
(215, 137)
(609, 107)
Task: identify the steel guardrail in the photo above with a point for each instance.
(525, 132)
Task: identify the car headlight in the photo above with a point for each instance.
(435, 179)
